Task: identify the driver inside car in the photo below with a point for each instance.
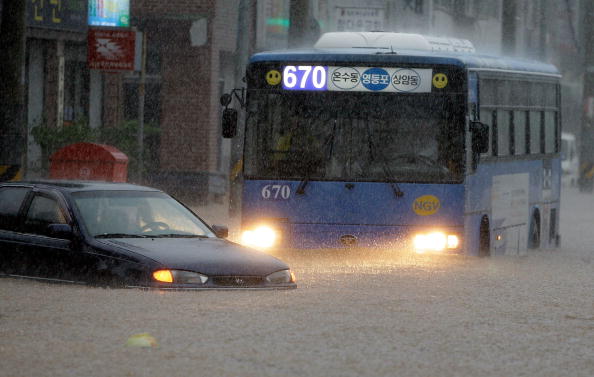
(123, 221)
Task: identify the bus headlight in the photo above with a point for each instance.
(435, 241)
(260, 237)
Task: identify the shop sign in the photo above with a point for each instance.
(111, 49)
(67, 15)
(109, 13)
(359, 19)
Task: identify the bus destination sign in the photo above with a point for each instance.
(357, 79)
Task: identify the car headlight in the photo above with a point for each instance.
(436, 241)
(281, 277)
(179, 277)
(260, 237)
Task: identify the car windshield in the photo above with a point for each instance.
(117, 214)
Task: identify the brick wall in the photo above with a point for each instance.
(189, 77)
(185, 119)
(190, 86)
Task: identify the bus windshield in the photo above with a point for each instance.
(355, 137)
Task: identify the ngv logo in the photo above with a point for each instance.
(426, 205)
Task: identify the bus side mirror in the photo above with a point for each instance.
(229, 123)
(480, 137)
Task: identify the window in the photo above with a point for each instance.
(503, 133)
(105, 213)
(43, 212)
(535, 134)
(519, 132)
(550, 126)
(537, 94)
(550, 95)
(505, 97)
(520, 93)
(76, 89)
(487, 118)
(297, 135)
(488, 92)
(11, 199)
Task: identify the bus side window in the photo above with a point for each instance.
(487, 118)
(535, 127)
(519, 120)
(550, 132)
(503, 133)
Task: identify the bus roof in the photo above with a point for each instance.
(378, 56)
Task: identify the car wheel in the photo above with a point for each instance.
(484, 238)
(534, 232)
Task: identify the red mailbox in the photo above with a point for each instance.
(89, 161)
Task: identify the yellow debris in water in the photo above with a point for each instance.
(142, 340)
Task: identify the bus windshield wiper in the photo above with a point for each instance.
(328, 147)
(301, 188)
(387, 172)
(388, 175)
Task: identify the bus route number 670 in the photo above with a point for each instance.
(276, 192)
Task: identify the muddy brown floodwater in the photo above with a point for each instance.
(357, 313)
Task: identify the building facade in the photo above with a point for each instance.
(56, 77)
(190, 63)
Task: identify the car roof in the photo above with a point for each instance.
(75, 186)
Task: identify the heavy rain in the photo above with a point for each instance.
(423, 168)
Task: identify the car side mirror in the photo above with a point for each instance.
(229, 123)
(63, 231)
(220, 231)
(480, 137)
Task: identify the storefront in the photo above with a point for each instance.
(57, 80)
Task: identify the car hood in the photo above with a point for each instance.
(211, 257)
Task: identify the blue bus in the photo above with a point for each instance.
(402, 141)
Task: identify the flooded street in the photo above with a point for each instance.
(428, 123)
(355, 313)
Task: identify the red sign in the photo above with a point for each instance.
(111, 50)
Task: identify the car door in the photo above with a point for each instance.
(12, 199)
(48, 255)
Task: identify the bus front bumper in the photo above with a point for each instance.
(315, 236)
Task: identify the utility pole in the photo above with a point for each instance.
(12, 58)
(244, 48)
(141, 98)
(586, 179)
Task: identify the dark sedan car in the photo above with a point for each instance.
(122, 235)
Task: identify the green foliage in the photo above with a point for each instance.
(123, 137)
(51, 139)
